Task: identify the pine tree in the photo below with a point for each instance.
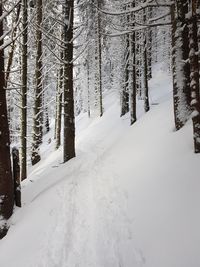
(24, 91)
(194, 75)
(180, 65)
(132, 67)
(145, 68)
(37, 120)
(6, 182)
(125, 88)
(98, 59)
(68, 95)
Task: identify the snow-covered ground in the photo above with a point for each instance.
(130, 198)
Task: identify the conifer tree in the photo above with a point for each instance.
(24, 91)
(68, 95)
(37, 119)
(6, 181)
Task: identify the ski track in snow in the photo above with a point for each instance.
(91, 228)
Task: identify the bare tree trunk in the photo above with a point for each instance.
(69, 124)
(37, 121)
(24, 92)
(6, 182)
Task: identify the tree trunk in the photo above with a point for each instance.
(125, 93)
(69, 124)
(132, 75)
(6, 181)
(145, 67)
(56, 111)
(99, 59)
(12, 50)
(88, 87)
(180, 65)
(47, 126)
(37, 121)
(24, 92)
(125, 90)
(145, 77)
(194, 75)
(10, 60)
(149, 46)
(59, 106)
(16, 176)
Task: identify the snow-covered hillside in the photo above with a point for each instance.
(129, 199)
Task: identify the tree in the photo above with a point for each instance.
(127, 65)
(24, 91)
(180, 65)
(145, 67)
(37, 120)
(68, 95)
(132, 75)
(194, 75)
(6, 181)
(59, 97)
(98, 58)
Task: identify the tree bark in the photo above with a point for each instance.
(24, 92)
(99, 58)
(132, 76)
(145, 68)
(12, 50)
(59, 106)
(6, 181)
(37, 122)
(16, 176)
(88, 87)
(125, 90)
(149, 46)
(68, 97)
(194, 75)
(180, 65)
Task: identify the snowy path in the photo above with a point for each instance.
(121, 205)
(129, 199)
(92, 228)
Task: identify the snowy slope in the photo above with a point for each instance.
(129, 199)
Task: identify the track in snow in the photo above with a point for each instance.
(91, 228)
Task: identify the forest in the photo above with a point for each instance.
(67, 61)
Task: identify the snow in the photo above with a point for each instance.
(130, 197)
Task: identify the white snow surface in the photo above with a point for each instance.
(130, 198)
